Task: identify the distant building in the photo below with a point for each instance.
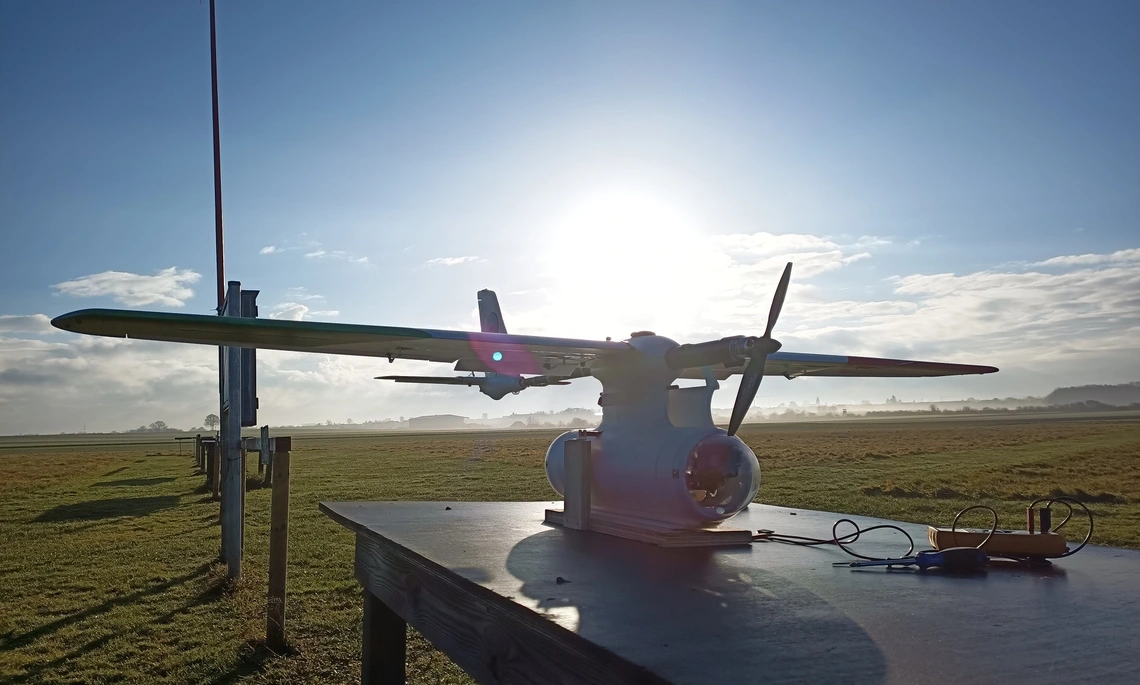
(437, 422)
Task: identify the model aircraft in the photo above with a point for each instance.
(656, 454)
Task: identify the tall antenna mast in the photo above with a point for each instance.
(219, 247)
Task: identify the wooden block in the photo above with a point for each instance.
(577, 479)
(657, 533)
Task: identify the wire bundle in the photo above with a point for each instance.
(842, 541)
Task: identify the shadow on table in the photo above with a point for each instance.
(691, 615)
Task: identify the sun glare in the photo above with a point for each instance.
(635, 260)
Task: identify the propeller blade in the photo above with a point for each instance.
(749, 384)
(778, 300)
(761, 348)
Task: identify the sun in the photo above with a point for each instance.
(635, 260)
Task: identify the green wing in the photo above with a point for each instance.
(470, 351)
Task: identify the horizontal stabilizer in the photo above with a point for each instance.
(437, 380)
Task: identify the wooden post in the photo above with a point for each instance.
(198, 451)
(384, 644)
(576, 499)
(216, 469)
(278, 548)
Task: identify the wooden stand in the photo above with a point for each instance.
(576, 466)
(578, 514)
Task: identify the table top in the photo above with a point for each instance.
(782, 613)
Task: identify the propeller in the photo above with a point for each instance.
(758, 352)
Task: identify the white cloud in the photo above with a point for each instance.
(452, 261)
(337, 254)
(118, 384)
(348, 257)
(296, 311)
(872, 241)
(855, 258)
(657, 271)
(302, 294)
(34, 323)
(104, 382)
(271, 249)
(1118, 257)
(169, 287)
(999, 317)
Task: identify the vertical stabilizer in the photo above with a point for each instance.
(490, 318)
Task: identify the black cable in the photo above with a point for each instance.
(1068, 502)
(836, 539)
(954, 524)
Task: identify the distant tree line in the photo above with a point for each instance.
(1119, 395)
(1053, 408)
(156, 427)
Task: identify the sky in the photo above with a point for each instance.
(953, 181)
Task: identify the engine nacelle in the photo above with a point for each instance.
(700, 479)
(657, 454)
(499, 385)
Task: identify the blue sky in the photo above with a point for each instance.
(954, 181)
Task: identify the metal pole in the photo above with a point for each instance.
(219, 248)
(230, 449)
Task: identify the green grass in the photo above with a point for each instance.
(107, 570)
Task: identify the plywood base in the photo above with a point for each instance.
(658, 533)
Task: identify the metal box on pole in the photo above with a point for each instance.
(249, 364)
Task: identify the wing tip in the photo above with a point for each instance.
(949, 367)
(71, 320)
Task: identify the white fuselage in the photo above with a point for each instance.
(657, 454)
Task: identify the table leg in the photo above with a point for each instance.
(384, 644)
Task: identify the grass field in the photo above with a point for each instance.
(107, 572)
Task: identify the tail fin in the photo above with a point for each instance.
(490, 318)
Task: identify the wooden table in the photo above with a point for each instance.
(513, 600)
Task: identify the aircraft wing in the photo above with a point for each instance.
(794, 365)
(470, 351)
